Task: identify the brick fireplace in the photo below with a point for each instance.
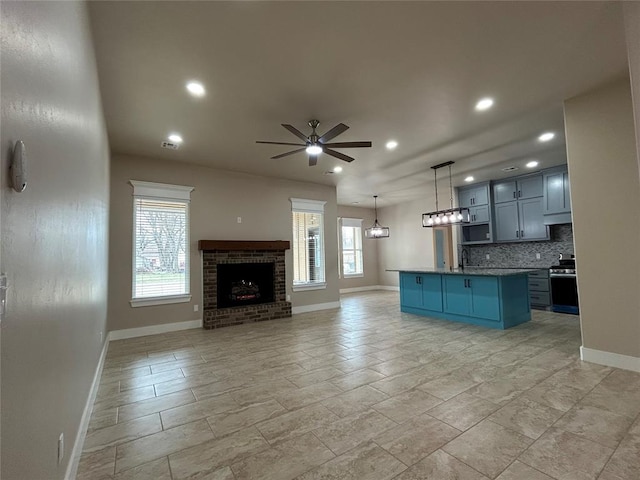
(244, 287)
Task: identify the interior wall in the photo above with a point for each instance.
(409, 245)
(369, 248)
(54, 234)
(219, 197)
(632, 30)
(605, 187)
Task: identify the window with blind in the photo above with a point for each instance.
(308, 244)
(160, 244)
(351, 247)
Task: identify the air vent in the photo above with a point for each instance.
(328, 173)
(509, 169)
(170, 145)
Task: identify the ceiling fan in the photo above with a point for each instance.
(315, 144)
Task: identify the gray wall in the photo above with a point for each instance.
(218, 199)
(369, 248)
(54, 235)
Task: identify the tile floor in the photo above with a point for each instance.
(363, 392)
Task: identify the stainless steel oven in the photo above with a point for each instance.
(564, 286)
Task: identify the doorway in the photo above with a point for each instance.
(442, 247)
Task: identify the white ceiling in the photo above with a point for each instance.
(390, 70)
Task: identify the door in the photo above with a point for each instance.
(442, 247)
(411, 290)
(554, 196)
(456, 294)
(432, 292)
(479, 214)
(485, 301)
(465, 197)
(504, 192)
(530, 187)
(507, 225)
(532, 225)
(438, 238)
(480, 196)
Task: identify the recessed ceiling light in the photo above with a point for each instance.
(545, 137)
(469, 179)
(391, 144)
(484, 104)
(337, 169)
(196, 89)
(532, 164)
(174, 137)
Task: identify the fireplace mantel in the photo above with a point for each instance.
(243, 245)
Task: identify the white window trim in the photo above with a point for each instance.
(304, 205)
(349, 222)
(161, 191)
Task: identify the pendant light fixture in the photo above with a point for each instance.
(450, 216)
(377, 230)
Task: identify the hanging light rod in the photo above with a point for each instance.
(377, 230)
(449, 216)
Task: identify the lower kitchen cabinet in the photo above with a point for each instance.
(496, 301)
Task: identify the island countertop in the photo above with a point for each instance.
(479, 271)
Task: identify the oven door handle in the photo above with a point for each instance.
(561, 275)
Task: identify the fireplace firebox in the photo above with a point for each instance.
(245, 284)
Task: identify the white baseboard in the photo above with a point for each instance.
(369, 288)
(154, 329)
(626, 362)
(76, 452)
(315, 307)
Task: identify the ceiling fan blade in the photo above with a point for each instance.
(288, 153)
(339, 155)
(282, 143)
(348, 144)
(334, 132)
(313, 160)
(295, 131)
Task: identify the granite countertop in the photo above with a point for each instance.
(482, 271)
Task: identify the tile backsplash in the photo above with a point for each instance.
(523, 254)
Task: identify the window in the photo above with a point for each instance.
(160, 243)
(308, 244)
(351, 246)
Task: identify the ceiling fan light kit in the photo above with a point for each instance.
(315, 144)
(450, 216)
(377, 230)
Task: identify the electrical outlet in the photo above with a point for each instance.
(537, 256)
(196, 308)
(288, 298)
(239, 219)
(487, 256)
(60, 448)
(100, 336)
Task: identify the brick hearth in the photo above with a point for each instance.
(216, 252)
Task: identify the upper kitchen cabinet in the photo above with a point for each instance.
(476, 199)
(520, 189)
(557, 199)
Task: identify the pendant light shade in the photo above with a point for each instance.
(450, 216)
(377, 230)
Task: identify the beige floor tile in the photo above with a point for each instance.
(400, 383)
(301, 397)
(366, 462)
(407, 405)
(560, 397)
(124, 398)
(595, 424)
(262, 391)
(119, 374)
(208, 457)
(625, 462)
(618, 393)
(177, 364)
(284, 462)
(395, 366)
(197, 410)
(143, 381)
(463, 411)
(356, 379)
(314, 376)
(520, 471)
(448, 386)
(293, 424)
(99, 465)
(156, 470)
(416, 438)
(161, 444)
(488, 447)
(499, 391)
(154, 405)
(354, 401)
(526, 417)
(218, 388)
(561, 454)
(242, 417)
(102, 418)
(181, 384)
(357, 363)
(122, 433)
(441, 465)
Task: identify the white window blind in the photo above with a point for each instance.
(351, 247)
(308, 244)
(160, 243)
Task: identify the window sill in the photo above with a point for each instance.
(309, 286)
(150, 301)
(354, 275)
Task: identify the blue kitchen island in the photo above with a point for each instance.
(494, 298)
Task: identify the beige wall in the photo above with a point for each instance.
(632, 31)
(218, 199)
(54, 234)
(605, 194)
(409, 243)
(369, 248)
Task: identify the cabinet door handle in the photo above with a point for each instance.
(519, 193)
(521, 233)
(514, 194)
(468, 283)
(517, 233)
(418, 280)
(465, 282)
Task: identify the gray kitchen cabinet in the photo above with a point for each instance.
(539, 295)
(473, 195)
(507, 223)
(557, 196)
(505, 192)
(479, 214)
(520, 189)
(521, 218)
(532, 225)
(476, 199)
